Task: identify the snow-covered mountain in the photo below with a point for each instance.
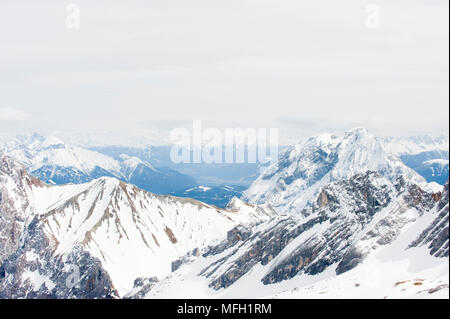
(427, 155)
(352, 220)
(433, 166)
(55, 162)
(294, 182)
(416, 144)
(117, 229)
(364, 237)
(16, 205)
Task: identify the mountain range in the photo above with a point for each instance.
(149, 167)
(58, 163)
(337, 216)
(425, 154)
(295, 180)
(119, 231)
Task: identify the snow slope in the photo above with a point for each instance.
(380, 245)
(130, 232)
(135, 233)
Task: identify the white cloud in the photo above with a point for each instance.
(10, 114)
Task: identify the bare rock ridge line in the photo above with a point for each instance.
(340, 239)
(350, 220)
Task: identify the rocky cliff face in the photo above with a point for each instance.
(349, 220)
(16, 203)
(34, 271)
(28, 266)
(436, 236)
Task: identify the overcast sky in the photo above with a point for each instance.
(145, 66)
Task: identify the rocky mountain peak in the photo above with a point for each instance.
(294, 181)
(10, 167)
(358, 131)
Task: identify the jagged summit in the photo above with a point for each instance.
(302, 169)
(16, 172)
(8, 165)
(357, 131)
(52, 141)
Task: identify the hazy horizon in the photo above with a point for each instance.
(142, 69)
(105, 139)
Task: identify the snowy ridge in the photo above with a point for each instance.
(357, 241)
(292, 183)
(127, 228)
(36, 151)
(131, 232)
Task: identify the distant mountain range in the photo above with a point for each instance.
(429, 156)
(150, 168)
(416, 144)
(205, 174)
(56, 162)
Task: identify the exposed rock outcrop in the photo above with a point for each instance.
(340, 230)
(33, 271)
(436, 236)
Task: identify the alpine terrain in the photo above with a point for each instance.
(113, 232)
(425, 154)
(336, 217)
(56, 162)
